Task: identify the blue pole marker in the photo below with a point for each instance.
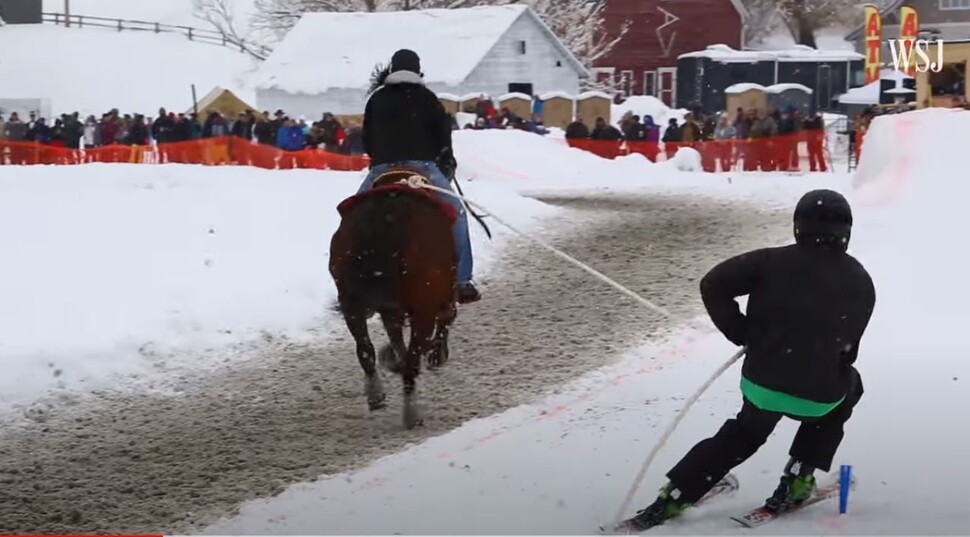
(845, 482)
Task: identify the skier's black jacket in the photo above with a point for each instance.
(808, 306)
(404, 120)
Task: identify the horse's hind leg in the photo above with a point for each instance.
(356, 320)
(439, 345)
(422, 328)
(392, 355)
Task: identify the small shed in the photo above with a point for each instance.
(450, 102)
(223, 101)
(519, 104)
(469, 102)
(746, 96)
(593, 104)
(785, 96)
(557, 109)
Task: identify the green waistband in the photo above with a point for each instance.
(783, 403)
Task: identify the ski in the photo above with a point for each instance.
(762, 515)
(724, 487)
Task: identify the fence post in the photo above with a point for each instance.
(157, 28)
(80, 21)
(190, 34)
(120, 25)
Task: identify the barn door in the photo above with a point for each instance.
(823, 88)
(667, 86)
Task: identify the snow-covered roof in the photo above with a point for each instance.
(798, 53)
(594, 95)
(555, 94)
(743, 87)
(340, 50)
(515, 95)
(868, 94)
(785, 86)
(449, 97)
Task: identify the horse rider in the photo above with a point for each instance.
(405, 125)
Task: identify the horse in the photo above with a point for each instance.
(394, 254)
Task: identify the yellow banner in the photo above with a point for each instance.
(873, 42)
(908, 32)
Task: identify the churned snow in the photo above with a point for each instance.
(517, 472)
(147, 70)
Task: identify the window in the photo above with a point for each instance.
(558, 63)
(626, 83)
(954, 4)
(650, 83)
(521, 47)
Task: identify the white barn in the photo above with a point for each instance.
(324, 63)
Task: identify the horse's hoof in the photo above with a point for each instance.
(388, 359)
(412, 417)
(376, 403)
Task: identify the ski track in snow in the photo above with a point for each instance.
(154, 463)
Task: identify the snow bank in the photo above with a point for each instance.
(520, 466)
(92, 70)
(109, 269)
(646, 105)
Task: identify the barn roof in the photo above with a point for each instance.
(339, 50)
(798, 53)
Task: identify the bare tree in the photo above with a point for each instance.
(801, 18)
(219, 15)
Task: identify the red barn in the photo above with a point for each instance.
(644, 62)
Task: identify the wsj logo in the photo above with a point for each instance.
(905, 54)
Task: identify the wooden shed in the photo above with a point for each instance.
(223, 101)
(591, 105)
(557, 109)
(470, 101)
(450, 102)
(519, 104)
(747, 96)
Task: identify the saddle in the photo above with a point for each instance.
(397, 179)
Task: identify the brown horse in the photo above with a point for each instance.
(394, 254)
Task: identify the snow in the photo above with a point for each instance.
(139, 83)
(785, 86)
(799, 53)
(555, 94)
(450, 42)
(518, 472)
(743, 87)
(449, 97)
(647, 105)
(831, 38)
(515, 95)
(593, 95)
(869, 94)
(107, 266)
(174, 12)
(95, 255)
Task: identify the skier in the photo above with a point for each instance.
(406, 125)
(809, 304)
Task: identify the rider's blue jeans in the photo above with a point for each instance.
(460, 229)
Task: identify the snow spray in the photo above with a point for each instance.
(845, 483)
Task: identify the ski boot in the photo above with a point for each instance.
(661, 510)
(468, 293)
(797, 485)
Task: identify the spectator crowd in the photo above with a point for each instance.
(114, 128)
(758, 139)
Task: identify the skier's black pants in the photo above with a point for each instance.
(739, 438)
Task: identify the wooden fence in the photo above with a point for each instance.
(199, 35)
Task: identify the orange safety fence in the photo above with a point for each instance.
(226, 150)
(785, 152)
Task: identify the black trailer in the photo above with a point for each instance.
(702, 76)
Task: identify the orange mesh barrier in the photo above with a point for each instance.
(778, 153)
(208, 151)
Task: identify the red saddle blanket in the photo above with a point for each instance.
(450, 212)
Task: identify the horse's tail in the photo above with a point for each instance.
(381, 229)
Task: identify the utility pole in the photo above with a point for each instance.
(67, 13)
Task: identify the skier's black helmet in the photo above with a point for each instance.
(405, 60)
(823, 218)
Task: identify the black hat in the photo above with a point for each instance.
(823, 217)
(405, 60)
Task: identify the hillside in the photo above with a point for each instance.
(91, 70)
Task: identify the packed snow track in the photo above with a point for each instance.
(140, 463)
